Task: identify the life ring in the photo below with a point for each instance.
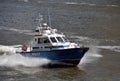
(24, 47)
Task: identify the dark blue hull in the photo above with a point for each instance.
(72, 56)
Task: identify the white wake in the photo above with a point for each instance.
(9, 58)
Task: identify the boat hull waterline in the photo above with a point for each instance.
(69, 56)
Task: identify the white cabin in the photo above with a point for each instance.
(48, 39)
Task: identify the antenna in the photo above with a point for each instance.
(49, 17)
(40, 19)
(39, 25)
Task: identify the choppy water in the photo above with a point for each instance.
(94, 23)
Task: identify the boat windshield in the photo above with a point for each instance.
(53, 39)
(59, 39)
(65, 39)
(43, 40)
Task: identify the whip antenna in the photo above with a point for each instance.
(49, 17)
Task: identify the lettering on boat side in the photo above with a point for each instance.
(32, 54)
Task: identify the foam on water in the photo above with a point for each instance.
(92, 55)
(11, 59)
(8, 49)
(18, 60)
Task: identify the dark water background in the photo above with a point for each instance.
(95, 23)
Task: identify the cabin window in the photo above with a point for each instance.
(46, 41)
(39, 40)
(43, 40)
(59, 39)
(53, 39)
(35, 39)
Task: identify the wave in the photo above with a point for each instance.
(81, 38)
(27, 32)
(24, 0)
(89, 4)
(80, 3)
(112, 48)
(92, 55)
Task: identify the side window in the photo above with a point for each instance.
(43, 40)
(53, 39)
(39, 40)
(46, 40)
(35, 39)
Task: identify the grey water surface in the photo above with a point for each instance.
(94, 23)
